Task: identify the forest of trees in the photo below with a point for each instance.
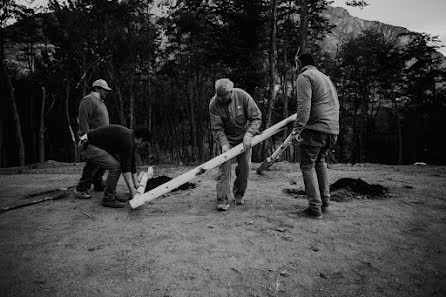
(162, 61)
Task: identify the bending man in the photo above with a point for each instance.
(235, 118)
(113, 147)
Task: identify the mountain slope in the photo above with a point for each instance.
(348, 26)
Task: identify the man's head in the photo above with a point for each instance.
(306, 59)
(101, 87)
(141, 134)
(223, 89)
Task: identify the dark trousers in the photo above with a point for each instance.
(314, 149)
(101, 159)
(91, 174)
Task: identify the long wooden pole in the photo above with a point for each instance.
(139, 200)
(271, 159)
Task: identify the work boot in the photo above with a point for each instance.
(324, 207)
(239, 200)
(222, 204)
(313, 213)
(113, 203)
(121, 198)
(81, 194)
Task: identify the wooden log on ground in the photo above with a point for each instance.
(143, 181)
(59, 195)
(139, 200)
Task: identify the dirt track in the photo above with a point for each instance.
(180, 246)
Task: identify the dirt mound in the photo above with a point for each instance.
(360, 187)
(347, 189)
(345, 195)
(158, 181)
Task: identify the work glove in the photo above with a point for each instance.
(296, 139)
(225, 148)
(247, 141)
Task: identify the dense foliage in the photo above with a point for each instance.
(162, 59)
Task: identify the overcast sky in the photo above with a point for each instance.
(424, 16)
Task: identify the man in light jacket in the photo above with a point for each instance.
(315, 129)
(235, 118)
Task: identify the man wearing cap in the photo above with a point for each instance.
(235, 118)
(316, 129)
(93, 114)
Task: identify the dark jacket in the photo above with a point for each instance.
(118, 141)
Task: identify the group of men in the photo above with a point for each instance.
(235, 118)
(106, 147)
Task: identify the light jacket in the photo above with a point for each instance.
(230, 121)
(317, 102)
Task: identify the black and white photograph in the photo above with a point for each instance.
(223, 148)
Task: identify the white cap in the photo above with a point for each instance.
(102, 84)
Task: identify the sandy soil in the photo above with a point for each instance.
(181, 246)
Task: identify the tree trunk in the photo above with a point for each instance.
(303, 25)
(42, 128)
(272, 57)
(149, 106)
(363, 133)
(294, 152)
(285, 103)
(192, 119)
(342, 123)
(84, 83)
(132, 101)
(2, 151)
(122, 119)
(16, 118)
(399, 133)
(31, 137)
(67, 116)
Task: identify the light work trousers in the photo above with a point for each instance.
(224, 193)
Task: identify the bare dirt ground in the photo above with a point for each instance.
(181, 246)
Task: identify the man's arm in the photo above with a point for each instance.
(129, 181)
(135, 180)
(133, 169)
(217, 127)
(127, 160)
(304, 93)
